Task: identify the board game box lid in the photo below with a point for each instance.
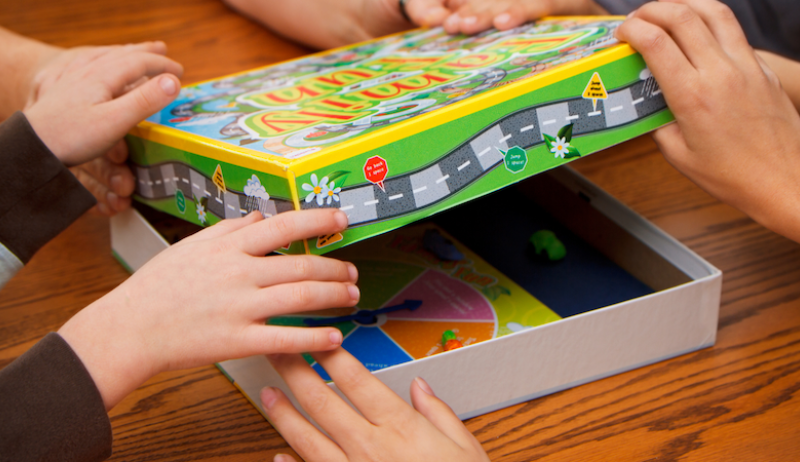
(338, 103)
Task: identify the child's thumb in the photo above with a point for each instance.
(144, 101)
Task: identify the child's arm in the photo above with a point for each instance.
(29, 67)
(206, 298)
(202, 300)
(324, 24)
(77, 116)
(384, 428)
(737, 133)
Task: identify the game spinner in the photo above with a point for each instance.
(410, 297)
(397, 129)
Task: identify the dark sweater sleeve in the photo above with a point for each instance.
(51, 409)
(771, 25)
(40, 197)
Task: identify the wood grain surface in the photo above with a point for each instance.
(738, 400)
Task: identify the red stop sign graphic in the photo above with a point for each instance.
(375, 171)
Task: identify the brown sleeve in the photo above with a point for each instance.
(40, 197)
(50, 408)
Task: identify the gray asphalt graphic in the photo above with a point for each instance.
(477, 156)
(434, 182)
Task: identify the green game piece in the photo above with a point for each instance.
(547, 242)
(515, 159)
(448, 335)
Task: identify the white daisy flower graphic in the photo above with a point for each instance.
(560, 147)
(201, 213)
(317, 189)
(332, 193)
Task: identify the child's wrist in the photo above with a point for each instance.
(112, 353)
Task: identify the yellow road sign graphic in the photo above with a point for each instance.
(218, 179)
(595, 90)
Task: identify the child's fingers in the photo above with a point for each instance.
(439, 413)
(672, 143)
(305, 438)
(131, 108)
(119, 153)
(321, 403)
(284, 269)
(296, 297)
(374, 400)
(427, 12)
(472, 20)
(224, 227)
(125, 69)
(116, 177)
(687, 30)
(96, 188)
(261, 339)
(517, 14)
(724, 26)
(262, 238)
(666, 61)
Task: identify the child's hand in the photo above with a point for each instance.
(206, 298)
(737, 134)
(109, 179)
(86, 99)
(473, 16)
(384, 428)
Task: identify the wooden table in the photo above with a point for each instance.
(739, 400)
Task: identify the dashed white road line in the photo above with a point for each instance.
(548, 122)
(218, 199)
(595, 113)
(158, 181)
(176, 179)
(205, 191)
(185, 180)
(346, 208)
(395, 197)
(573, 117)
(142, 181)
(526, 128)
(656, 93)
(464, 165)
(243, 211)
(504, 139)
(637, 101)
(231, 207)
(420, 189)
(444, 178)
(615, 109)
(150, 183)
(195, 185)
(484, 151)
(167, 180)
(372, 202)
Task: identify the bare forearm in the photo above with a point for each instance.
(317, 23)
(20, 57)
(787, 71)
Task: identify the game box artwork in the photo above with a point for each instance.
(396, 129)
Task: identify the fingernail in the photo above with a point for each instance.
(268, 397)
(352, 272)
(355, 294)
(503, 18)
(103, 208)
(452, 21)
(282, 458)
(341, 219)
(112, 199)
(423, 385)
(168, 85)
(336, 337)
(631, 14)
(116, 182)
(468, 21)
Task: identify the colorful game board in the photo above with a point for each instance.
(410, 297)
(397, 129)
